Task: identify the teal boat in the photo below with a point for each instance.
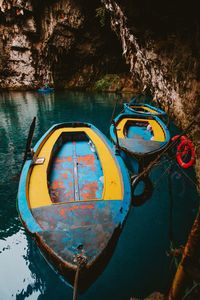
(139, 135)
(143, 109)
(139, 140)
(74, 196)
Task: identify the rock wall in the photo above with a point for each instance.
(162, 47)
(73, 43)
(59, 42)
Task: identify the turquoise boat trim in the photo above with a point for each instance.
(141, 152)
(22, 202)
(65, 229)
(127, 192)
(158, 112)
(25, 211)
(56, 126)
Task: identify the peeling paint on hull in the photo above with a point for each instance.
(80, 220)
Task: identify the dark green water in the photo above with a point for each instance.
(139, 264)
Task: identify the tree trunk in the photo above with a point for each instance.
(189, 267)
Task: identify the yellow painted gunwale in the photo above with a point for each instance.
(38, 193)
(158, 132)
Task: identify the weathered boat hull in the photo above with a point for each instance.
(144, 109)
(83, 221)
(135, 139)
(66, 267)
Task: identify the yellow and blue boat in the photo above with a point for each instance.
(144, 109)
(74, 196)
(141, 136)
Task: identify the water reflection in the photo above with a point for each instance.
(140, 255)
(16, 278)
(24, 273)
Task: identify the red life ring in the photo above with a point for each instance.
(179, 155)
(182, 138)
(183, 148)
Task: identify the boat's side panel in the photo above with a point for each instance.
(125, 205)
(113, 182)
(22, 202)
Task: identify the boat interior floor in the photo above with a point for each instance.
(139, 130)
(76, 172)
(135, 136)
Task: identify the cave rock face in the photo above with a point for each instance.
(161, 44)
(59, 42)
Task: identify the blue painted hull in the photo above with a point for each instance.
(137, 142)
(69, 228)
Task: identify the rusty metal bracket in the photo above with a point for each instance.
(80, 260)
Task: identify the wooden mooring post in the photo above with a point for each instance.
(189, 267)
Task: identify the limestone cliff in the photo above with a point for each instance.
(59, 42)
(161, 44)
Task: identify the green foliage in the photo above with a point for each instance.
(110, 82)
(101, 15)
(101, 85)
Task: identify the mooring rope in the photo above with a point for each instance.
(80, 261)
(76, 283)
(187, 176)
(195, 285)
(166, 150)
(169, 161)
(161, 176)
(171, 206)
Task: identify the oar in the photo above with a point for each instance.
(115, 131)
(29, 140)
